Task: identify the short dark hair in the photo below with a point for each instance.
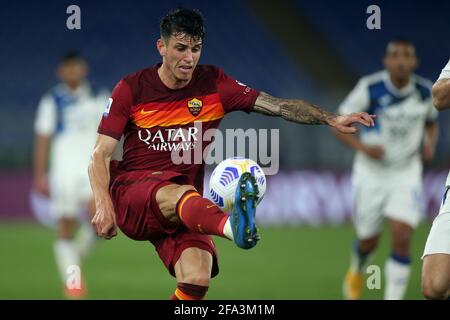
(71, 56)
(400, 40)
(186, 21)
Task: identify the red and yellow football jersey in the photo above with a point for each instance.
(157, 121)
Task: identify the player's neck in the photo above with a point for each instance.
(169, 80)
(399, 83)
(74, 86)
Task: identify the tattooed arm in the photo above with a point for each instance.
(301, 111)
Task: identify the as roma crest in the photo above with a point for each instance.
(195, 106)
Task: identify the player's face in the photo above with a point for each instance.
(400, 60)
(72, 73)
(180, 55)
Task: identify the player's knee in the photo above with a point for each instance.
(66, 228)
(433, 288)
(200, 277)
(401, 243)
(180, 190)
(167, 198)
(368, 245)
(401, 235)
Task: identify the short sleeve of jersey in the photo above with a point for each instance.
(357, 100)
(445, 74)
(235, 95)
(117, 112)
(432, 114)
(45, 122)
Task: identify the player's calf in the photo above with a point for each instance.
(187, 291)
(193, 273)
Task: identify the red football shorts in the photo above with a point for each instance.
(139, 217)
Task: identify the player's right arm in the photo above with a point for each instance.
(441, 89)
(357, 101)
(44, 128)
(111, 128)
(374, 152)
(40, 160)
(104, 221)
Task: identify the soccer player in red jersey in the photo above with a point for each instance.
(149, 197)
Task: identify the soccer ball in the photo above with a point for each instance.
(225, 178)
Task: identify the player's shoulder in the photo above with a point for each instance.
(132, 83)
(207, 70)
(138, 76)
(57, 90)
(373, 78)
(55, 93)
(423, 85)
(423, 82)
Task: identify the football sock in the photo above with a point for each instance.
(397, 270)
(187, 291)
(227, 231)
(359, 259)
(85, 239)
(66, 255)
(200, 214)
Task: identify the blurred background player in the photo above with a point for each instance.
(65, 129)
(436, 257)
(387, 169)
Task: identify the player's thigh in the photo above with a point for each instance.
(400, 236)
(64, 195)
(133, 194)
(436, 275)
(367, 217)
(194, 266)
(404, 205)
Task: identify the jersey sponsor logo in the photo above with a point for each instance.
(195, 106)
(143, 112)
(108, 107)
(170, 139)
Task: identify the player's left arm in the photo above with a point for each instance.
(430, 140)
(301, 111)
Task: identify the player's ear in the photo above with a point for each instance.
(161, 46)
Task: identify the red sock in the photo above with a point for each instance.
(187, 291)
(200, 214)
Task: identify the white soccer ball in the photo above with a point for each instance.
(225, 178)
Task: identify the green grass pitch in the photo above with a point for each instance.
(288, 263)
